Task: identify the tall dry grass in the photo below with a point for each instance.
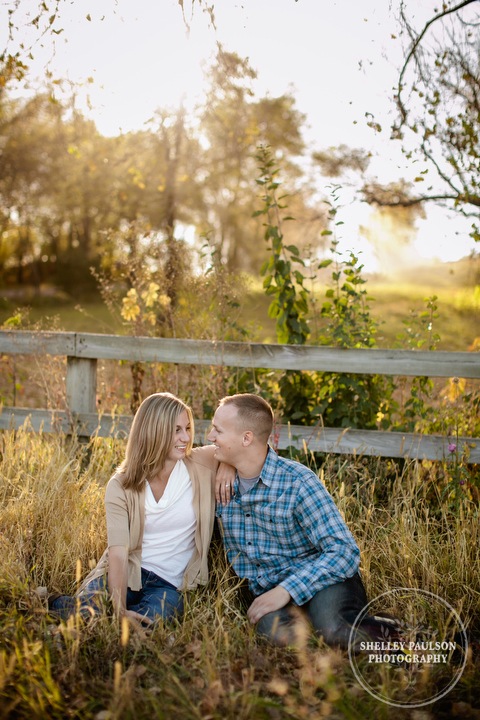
(211, 664)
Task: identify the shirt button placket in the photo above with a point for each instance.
(248, 530)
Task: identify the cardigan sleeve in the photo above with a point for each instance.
(125, 523)
(116, 508)
(204, 456)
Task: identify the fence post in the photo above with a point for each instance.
(81, 385)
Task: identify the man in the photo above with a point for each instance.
(283, 533)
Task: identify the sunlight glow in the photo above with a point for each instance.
(135, 58)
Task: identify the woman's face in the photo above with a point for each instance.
(181, 438)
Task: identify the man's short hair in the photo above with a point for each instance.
(254, 413)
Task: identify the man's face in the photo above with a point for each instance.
(227, 435)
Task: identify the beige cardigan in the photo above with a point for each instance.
(125, 511)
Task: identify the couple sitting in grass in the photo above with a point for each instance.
(282, 532)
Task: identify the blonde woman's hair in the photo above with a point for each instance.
(151, 437)
(253, 412)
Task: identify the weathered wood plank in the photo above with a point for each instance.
(251, 355)
(325, 440)
(25, 342)
(382, 444)
(366, 442)
(81, 385)
(49, 421)
(83, 424)
(281, 357)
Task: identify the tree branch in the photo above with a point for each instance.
(413, 50)
(372, 198)
(447, 180)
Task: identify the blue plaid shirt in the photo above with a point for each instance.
(287, 531)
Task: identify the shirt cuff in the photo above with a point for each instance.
(299, 592)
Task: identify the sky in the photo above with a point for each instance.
(338, 58)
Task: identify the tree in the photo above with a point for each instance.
(176, 196)
(234, 123)
(57, 189)
(438, 110)
(28, 129)
(157, 185)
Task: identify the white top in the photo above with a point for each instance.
(169, 533)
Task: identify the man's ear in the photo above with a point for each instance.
(247, 438)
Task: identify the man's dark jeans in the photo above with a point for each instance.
(332, 613)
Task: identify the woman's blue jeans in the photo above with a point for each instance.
(157, 599)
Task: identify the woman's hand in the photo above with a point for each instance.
(224, 483)
(136, 618)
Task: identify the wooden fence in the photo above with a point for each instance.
(82, 351)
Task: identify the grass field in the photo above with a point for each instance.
(414, 528)
(417, 524)
(458, 323)
(456, 286)
(37, 382)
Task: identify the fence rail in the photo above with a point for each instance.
(84, 349)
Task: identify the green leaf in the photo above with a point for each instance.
(325, 263)
(293, 249)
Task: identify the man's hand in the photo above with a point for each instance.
(270, 601)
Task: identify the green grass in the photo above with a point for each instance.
(458, 313)
(413, 528)
(458, 324)
(85, 316)
(455, 285)
(417, 526)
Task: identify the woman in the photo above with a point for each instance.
(160, 506)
